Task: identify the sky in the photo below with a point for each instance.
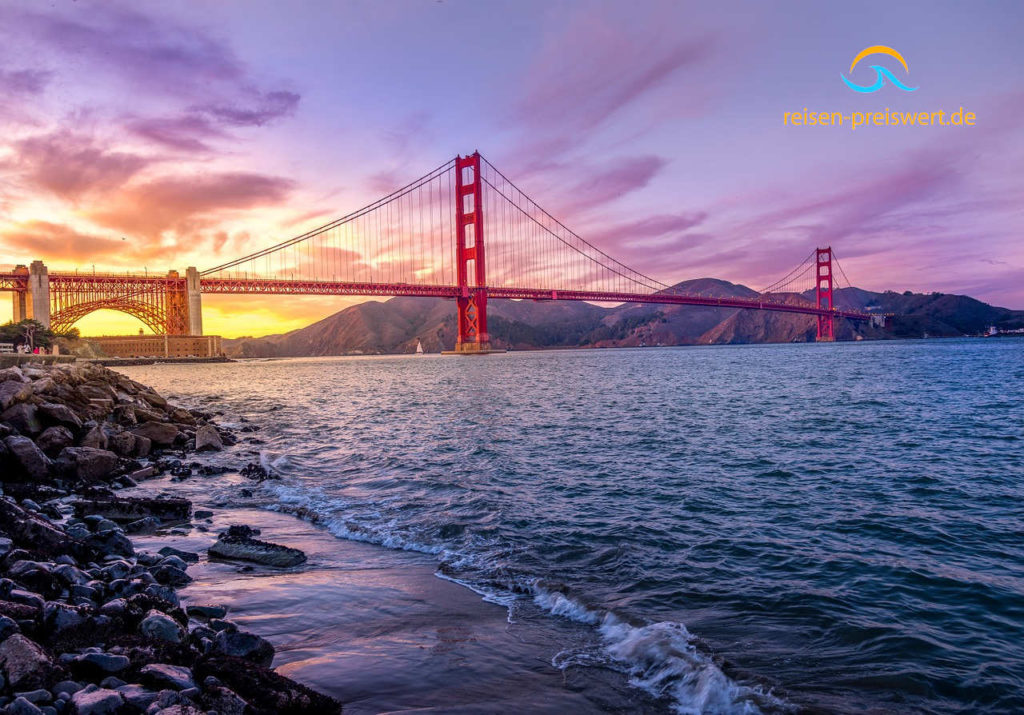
(162, 135)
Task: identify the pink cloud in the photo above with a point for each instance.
(70, 165)
(187, 133)
(174, 201)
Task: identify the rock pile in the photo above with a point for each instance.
(87, 624)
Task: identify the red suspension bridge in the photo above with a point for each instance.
(463, 231)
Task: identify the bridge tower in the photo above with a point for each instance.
(823, 294)
(38, 302)
(469, 249)
(21, 299)
(195, 301)
(176, 305)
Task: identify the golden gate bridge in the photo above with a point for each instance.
(463, 231)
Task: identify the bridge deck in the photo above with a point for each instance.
(16, 282)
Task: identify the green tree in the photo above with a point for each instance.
(32, 333)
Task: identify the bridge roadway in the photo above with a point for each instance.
(118, 287)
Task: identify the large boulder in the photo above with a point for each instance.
(23, 417)
(24, 664)
(14, 391)
(159, 626)
(130, 509)
(159, 433)
(86, 464)
(122, 443)
(93, 436)
(240, 644)
(162, 675)
(54, 439)
(28, 461)
(234, 545)
(55, 414)
(207, 439)
(34, 533)
(97, 701)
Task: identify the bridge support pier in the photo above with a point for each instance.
(19, 301)
(472, 279)
(195, 301)
(823, 293)
(38, 302)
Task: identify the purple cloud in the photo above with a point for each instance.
(170, 202)
(24, 81)
(601, 187)
(254, 111)
(187, 133)
(70, 165)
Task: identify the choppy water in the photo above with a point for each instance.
(834, 527)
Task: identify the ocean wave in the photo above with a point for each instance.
(659, 658)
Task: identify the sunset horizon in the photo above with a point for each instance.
(144, 138)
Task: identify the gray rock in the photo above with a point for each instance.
(105, 524)
(225, 701)
(171, 575)
(201, 611)
(189, 556)
(23, 662)
(161, 627)
(21, 706)
(13, 391)
(8, 627)
(23, 417)
(241, 644)
(175, 561)
(42, 695)
(163, 676)
(138, 696)
(167, 593)
(111, 542)
(207, 439)
(159, 433)
(143, 446)
(71, 575)
(122, 443)
(114, 608)
(93, 437)
(86, 464)
(27, 598)
(56, 414)
(99, 701)
(67, 686)
(246, 548)
(28, 458)
(5, 545)
(54, 439)
(107, 662)
(146, 525)
(60, 617)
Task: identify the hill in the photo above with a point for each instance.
(395, 325)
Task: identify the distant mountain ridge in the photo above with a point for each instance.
(395, 325)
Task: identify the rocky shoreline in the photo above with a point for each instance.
(88, 624)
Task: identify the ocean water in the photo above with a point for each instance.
(835, 528)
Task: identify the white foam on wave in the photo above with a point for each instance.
(660, 658)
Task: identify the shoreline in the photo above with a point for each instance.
(88, 623)
(143, 547)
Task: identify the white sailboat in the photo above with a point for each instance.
(419, 347)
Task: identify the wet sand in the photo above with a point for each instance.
(377, 629)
